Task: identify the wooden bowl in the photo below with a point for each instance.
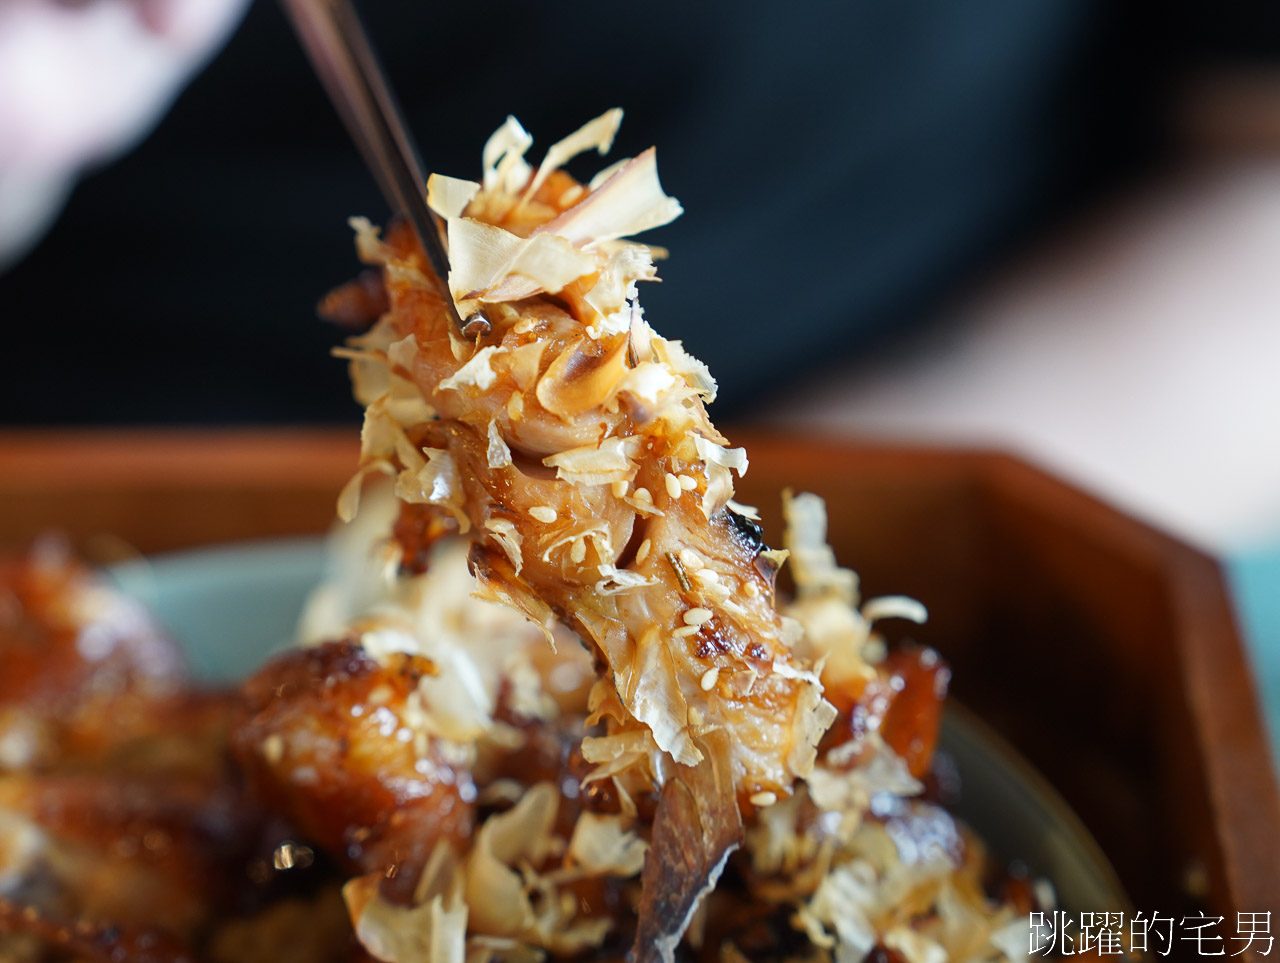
(1105, 651)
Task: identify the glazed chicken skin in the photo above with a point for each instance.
(571, 444)
(150, 852)
(76, 654)
(123, 834)
(111, 772)
(901, 705)
(678, 605)
(326, 738)
(31, 936)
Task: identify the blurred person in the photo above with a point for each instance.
(843, 166)
(81, 83)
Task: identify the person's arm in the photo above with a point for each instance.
(81, 82)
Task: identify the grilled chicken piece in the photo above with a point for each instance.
(571, 444)
(151, 853)
(902, 704)
(614, 521)
(124, 835)
(115, 804)
(28, 937)
(330, 738)
(76, 653)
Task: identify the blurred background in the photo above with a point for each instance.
(1049, 226)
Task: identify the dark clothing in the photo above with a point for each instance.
(842, 165)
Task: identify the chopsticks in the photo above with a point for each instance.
(340, 52)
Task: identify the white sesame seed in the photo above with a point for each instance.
(643, 551)
(688, 482)
(523, 326)
(695, 716)
(570, 195)
(750, 590)
(642, 495)
(763, 799)
(544, 513)
(620, 488)
(686, 630)
(690, 559)
(706, 576)
(709, 678)
(578, 550)
(673, 485)
(697, 616)
(273, 748)
(719, 590)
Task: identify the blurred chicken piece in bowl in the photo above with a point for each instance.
(124, 832)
